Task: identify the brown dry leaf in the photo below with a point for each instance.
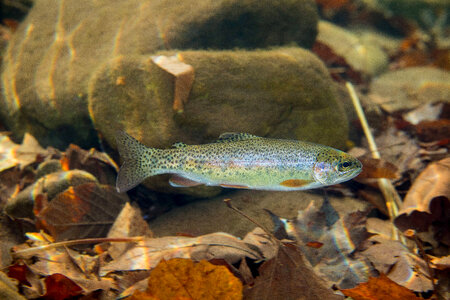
(80, 268)
(96, 163)
(288, 276)
(184, 279)
(441, 263)
(12, 154)
(86, 210)
(129, 223)
(184, 78)
(429, 131)
(339, 236)
(147, 253)
(397, 147)
(428, 201)
(8, 288)
(380, 288)
(398, 263)
(377, 168)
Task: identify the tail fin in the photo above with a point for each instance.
(138, 163)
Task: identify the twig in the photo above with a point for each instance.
(77, 242)
(391, 196)
(228, 203)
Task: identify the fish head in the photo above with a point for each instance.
(336, 167)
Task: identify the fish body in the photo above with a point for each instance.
(237, 160)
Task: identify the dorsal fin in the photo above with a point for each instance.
(234, 137)
(179, 145)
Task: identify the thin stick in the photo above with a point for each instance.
(228, 203)
(77, 242)
(391, 196)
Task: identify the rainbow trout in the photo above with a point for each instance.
(237, 160)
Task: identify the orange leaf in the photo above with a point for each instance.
(59, 287)
(378, 289)
(315, 245)
(19, 271)
(377, 168)
(185, 279)
(84, 211)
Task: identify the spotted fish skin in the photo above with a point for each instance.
(237, 160)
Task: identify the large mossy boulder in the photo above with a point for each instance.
(52, 56)
(284, 93)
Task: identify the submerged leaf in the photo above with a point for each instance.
(12, 154)
(59, 287)
(288, 276)
(147, 253)
(86, 210)
(184, 78)
(428, 201)
(398, 263)
(379, 289)
(184, 279)
(377, 168)
(129, 223)
(338, 236)
(96, 163)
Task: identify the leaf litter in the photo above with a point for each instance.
(323, 250)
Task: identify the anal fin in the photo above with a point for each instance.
(179, 181)
(233, 186)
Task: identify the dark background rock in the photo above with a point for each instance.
(54, 52)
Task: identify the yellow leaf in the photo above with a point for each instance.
(180, 278)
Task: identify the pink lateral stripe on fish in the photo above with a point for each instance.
(237, 160)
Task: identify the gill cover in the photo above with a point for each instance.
(325, 173)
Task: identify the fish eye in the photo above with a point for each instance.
(344, 165)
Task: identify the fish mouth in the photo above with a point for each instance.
(355, 172)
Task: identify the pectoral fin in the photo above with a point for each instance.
(294, 183)
(179, 181)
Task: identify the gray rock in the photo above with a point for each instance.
(21, 206)
(51, 57)
(408, 88)
(48, 167)
(358, 51)
(213, 215)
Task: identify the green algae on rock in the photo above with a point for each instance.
(283, 93)
(51, 57)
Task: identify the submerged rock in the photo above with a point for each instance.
(285, 93)
(55, 51)
(359, 52)
(213, 215)
(21, 206)
(410, 87)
